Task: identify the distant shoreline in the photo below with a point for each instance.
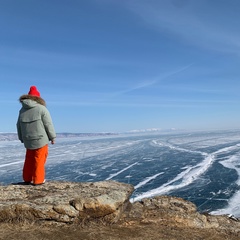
(10, 136)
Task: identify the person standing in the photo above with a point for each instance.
(35, 130)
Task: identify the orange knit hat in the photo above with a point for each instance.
(34, 92)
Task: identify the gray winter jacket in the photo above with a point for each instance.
(34, 126)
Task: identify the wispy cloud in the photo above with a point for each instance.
(166, 103)
(34, 57)
(200, 23)
(150, 82)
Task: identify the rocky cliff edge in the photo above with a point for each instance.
(108, 201)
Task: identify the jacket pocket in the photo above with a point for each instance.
(32, 130)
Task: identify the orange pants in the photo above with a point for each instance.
(33, 169)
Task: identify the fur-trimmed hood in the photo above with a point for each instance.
(34, 98)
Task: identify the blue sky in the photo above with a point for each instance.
(120, 65)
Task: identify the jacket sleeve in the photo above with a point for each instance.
(19, 131)
(48, 125)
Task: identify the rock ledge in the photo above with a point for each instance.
(64, 201)
(68, 202)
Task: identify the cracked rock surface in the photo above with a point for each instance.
(96, 206)
(64, 201)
